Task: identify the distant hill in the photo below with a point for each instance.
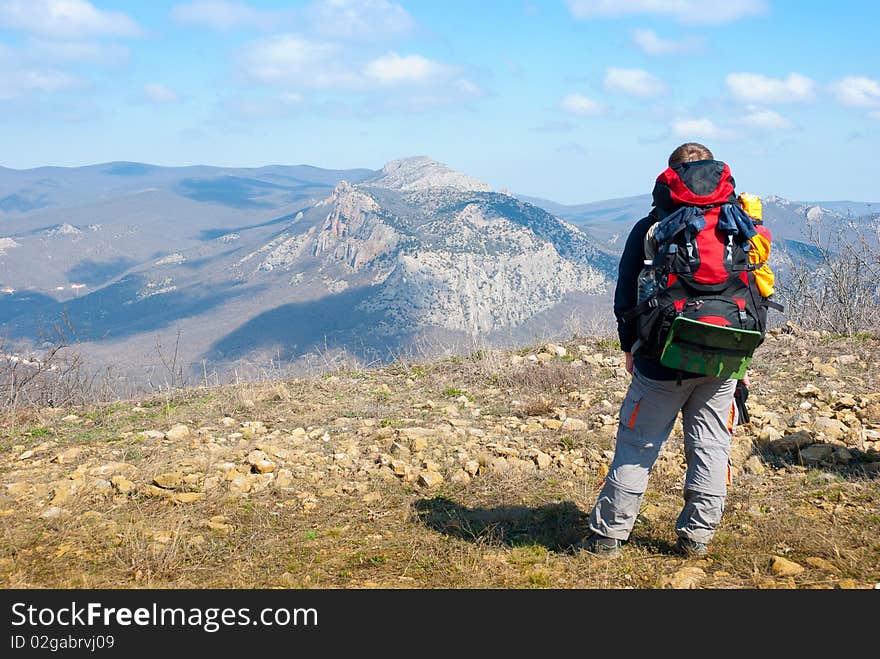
(276, 263)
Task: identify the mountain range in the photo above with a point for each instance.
(243, 267)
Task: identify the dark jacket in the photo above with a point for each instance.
(701, 183)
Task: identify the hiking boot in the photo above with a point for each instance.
(690, 549)
(600, 546)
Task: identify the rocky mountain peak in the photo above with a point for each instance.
(423, 173)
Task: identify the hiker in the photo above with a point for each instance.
(693, 180)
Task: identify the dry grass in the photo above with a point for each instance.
(338, 527)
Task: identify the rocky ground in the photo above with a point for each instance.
(470, 472)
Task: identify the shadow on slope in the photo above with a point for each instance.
(212, 234)
(24, 303)
(93, 273)
(556, 526)
(295, 329)
(120, 310)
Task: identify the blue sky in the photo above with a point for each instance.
(572, 100)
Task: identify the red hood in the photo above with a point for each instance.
(701, 183)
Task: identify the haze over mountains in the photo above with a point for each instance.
(274, 263)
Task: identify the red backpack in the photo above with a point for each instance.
(701, 275)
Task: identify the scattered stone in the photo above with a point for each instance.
(187, 497)
(572, 423)
(782, 567)
(240, 484)
(54, 512)
(685, 578)
(178, 431)
(170, 481)
(551, 424)
(430, 478)
(263, 467)
(472, 467)
(831, 428)
(220, 524)
(122, 484)
(543, 460)
(67, 456)
(809, 391)
(156, 491)
(825, 370)
(16, 490)
(754, 465)
(792, 441)
(821, 564)
(284, 478)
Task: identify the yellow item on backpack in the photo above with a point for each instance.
(760, 251)
(751, 204)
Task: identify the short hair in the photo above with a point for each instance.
(689, 152)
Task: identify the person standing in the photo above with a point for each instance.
(657, 393)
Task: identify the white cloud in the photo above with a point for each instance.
(757, 88)
(409, 82)
(367, 20)
(578, 104)
(156, 92)
(344, 20)
(858, 91)
(293, 61)
(65, 19)
(633, 82)
(15, 82)
(697, 129)
(766, 119)
(710, 12)
(651, 44)
(224, 15)
(392, 69)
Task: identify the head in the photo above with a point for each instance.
(689, 152)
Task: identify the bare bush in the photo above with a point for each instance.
(840, 294)
(53, 377)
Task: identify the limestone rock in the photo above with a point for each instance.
(782, 567)
(187, 497)
(169, 481)
(831, 428)
(177, 431)
(430, 478)
(754, 465)
(816, 453)
(821, 564)
(55, 512)
(791, 442)
(572, 423)
(685, 578)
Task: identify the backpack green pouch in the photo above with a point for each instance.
(696, 347)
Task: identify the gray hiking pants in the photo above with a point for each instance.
(647, 416)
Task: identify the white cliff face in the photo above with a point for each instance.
(422, 173)
(477, 293)
(441, 249)
(353, 231)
